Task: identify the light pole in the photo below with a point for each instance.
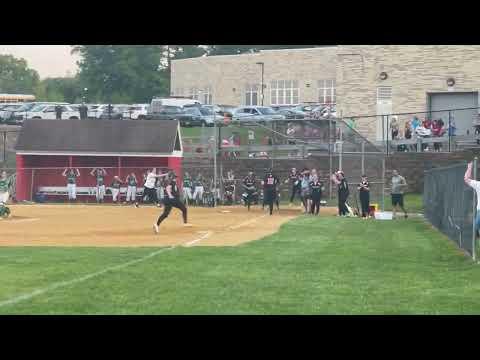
(85, 93)
(263, 68)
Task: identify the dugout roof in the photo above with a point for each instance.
(100, 137)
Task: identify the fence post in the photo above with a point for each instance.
(5, 149)
(383, 184)
(388, 132)
(31, 185)
(449, 129)
(363, 157)
(474, 176)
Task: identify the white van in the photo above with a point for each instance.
(158, 102)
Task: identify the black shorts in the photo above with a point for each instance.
(397, 199)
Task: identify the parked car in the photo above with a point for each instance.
(157, 103)
(292, 114)
(204, 114)
(256, 113)
(136, 111)
(20, 114)
(95, 110)
(48, 112)
(7, 110)
(168, 112)
(116, 112)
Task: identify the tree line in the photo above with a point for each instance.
(113, 73)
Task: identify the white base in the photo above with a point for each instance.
(383, 215)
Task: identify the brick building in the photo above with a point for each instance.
(361, 80)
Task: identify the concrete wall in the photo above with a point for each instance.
(413, 71)
(228, 75)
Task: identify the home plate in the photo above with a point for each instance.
(225, 211)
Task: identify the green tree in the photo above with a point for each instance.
(122, 73)
(16, 77)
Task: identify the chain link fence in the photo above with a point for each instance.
(449, 204)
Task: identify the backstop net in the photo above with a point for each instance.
(449, 204)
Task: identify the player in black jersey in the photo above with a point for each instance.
(270, 183)
(172, 199)
(364, 190)
(316, 186)
(249, 184)
(294, 180)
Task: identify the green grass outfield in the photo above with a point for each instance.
(312, 265)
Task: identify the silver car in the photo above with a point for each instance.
(256, 114)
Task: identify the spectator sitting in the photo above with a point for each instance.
(437, 128)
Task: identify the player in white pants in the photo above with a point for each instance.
(131, 188)
(100, 176)
(199, 189)
(116, 183)
(4, 186)
(71, 175)
(187, 189)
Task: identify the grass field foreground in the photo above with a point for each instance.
(324, 265)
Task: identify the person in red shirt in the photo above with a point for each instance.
(427, 124)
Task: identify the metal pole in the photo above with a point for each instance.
(449, 130)
(388, 132)
(31, 185)
(215, 161)
(363, 157)
(474, 175)
(340, 158)
(5, 149)
(330, 156)
(263, 65)
(383, 130)
(383, 184)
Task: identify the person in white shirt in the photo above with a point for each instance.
(475, 185)
(149, 187)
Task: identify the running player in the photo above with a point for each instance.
(99, 174)
(172, 199)
(187, 189)
(71, 175)
(149, 187)
(270, 183)
(131, 188)
(317, 187)
(249, 184)
(115, 187)
(199, 185)
(5, 183)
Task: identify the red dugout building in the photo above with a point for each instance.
(46, 147)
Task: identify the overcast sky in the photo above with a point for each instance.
(48, 60)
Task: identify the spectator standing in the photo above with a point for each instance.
(71, 175)
(398, 185)
(394, 127)
(343, 192)
(427, 124)
(58, 112)
(99, 174)
(476, 124)
(115, 187)
(131, 188)
(475, 185)
(415, 123)
(364, 191)
(83, 109)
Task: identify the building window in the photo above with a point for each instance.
(384, 93)
(327, 92)
(251, 94)
(194, 93)
(207, 95)
(284, 92)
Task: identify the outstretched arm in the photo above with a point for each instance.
(64, 172)
(468, 174)
(78, 172)
(93, 170)
(334, 179)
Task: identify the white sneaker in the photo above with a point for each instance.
(187, 225)
(155, 228)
